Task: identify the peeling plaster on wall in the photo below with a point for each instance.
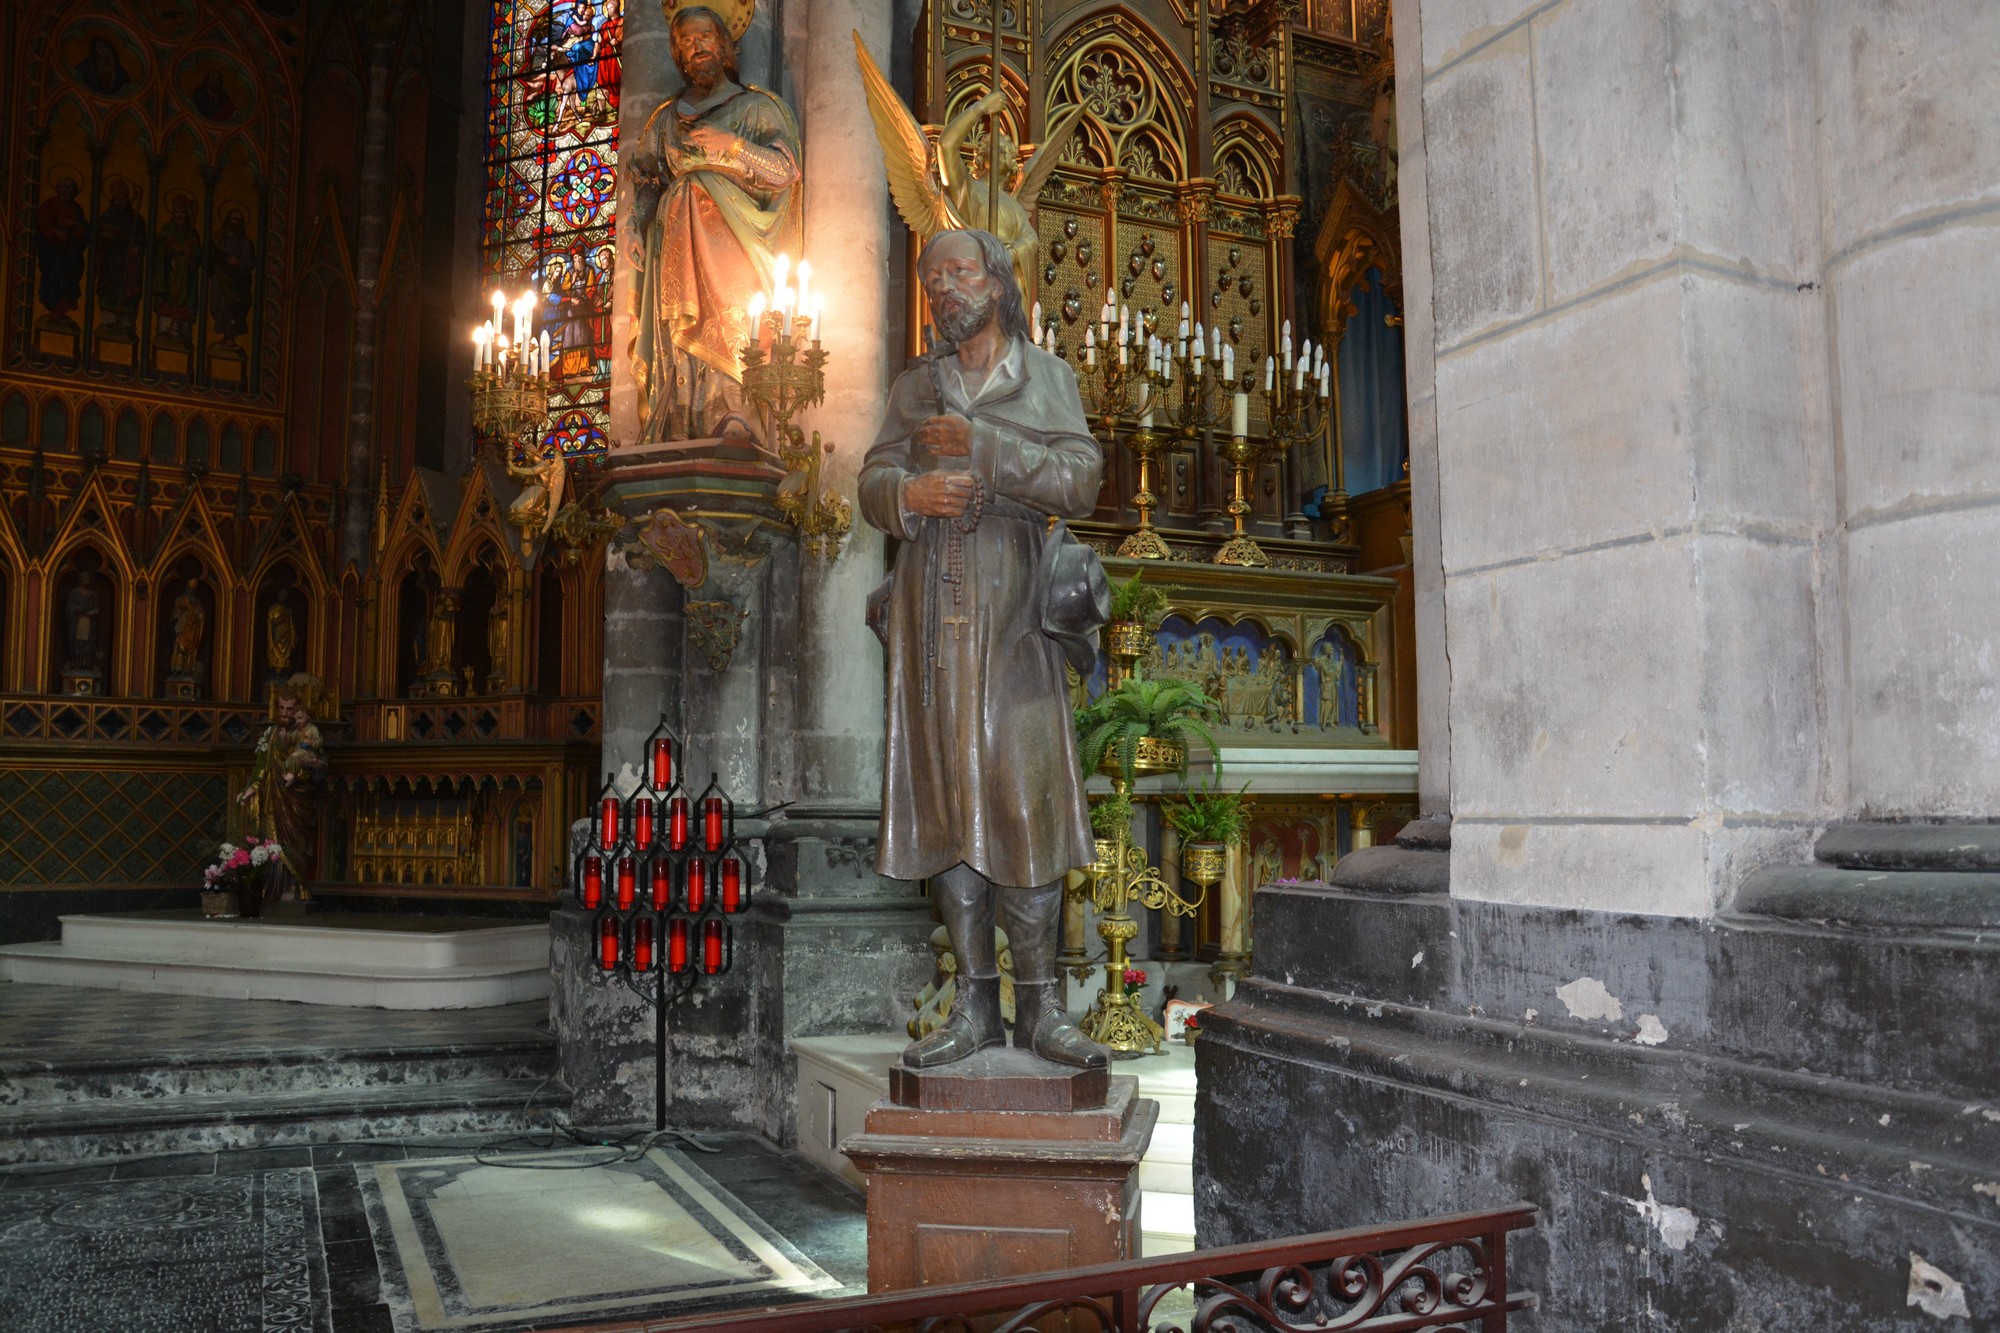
(1652, 1031)
(1587, 999)
(1418, 959)
(1935, 1291)
(1677, 1226)
(1990, 1188)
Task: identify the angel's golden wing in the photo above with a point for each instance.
(918, 196)
(1047, 154)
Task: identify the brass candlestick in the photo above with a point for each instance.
(1145, 544)
(1241, 549)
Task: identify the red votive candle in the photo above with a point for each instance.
(642, 944)
(607, 943)
(628, 880)
(593, 883)
(711, 823)
(677, 823)
(677, 945)
(711, 947)
(732, 885)
(697, 885)
(607, 823)
(663, 885)
(642, 822)
(663, 762)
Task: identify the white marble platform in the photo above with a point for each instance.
(432, 964)
(839, 1078)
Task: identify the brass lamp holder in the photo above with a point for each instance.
(1243, 455)
(783, 379)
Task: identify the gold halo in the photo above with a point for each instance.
(736, 13)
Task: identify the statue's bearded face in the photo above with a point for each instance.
(698, 52)
(962, 293)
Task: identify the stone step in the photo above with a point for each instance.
(30, 1083)
(311, 942)
(218, 1121)
(1166, 1223)
(393, 963)
(359, 984)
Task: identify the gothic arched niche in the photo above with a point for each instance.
(82, 644)
(186, 630)
(484, 586)
(415, 591)
(281, 618)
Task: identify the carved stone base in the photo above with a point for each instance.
(82, 682)
(1001, 1188)
(183, 687)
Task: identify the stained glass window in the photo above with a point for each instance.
(551, 174)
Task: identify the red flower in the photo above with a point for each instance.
(1135, 976)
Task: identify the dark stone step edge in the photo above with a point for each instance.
(237, 1109)
(1902, 847)
(1938, 900)
(264, 1057)
(1449, 1054)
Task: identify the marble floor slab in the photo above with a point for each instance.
(231, 1254)
(306, 1238)
(611, 1235)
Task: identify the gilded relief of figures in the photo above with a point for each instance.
(147, 217)
(1257, 676)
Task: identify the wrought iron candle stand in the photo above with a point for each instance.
(1122, 877)
(784, 373)
(661, 880)
(508, 402)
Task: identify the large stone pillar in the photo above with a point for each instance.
(1711, 299)
(1910, 185)
(1631, 447)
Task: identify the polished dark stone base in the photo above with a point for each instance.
(1744, 1123)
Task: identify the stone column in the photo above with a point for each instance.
(847, 239)
(1909, 169)
(1631, 448)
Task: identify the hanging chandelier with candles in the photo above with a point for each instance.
(510, 375)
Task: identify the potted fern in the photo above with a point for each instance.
(1136, 611)
(1109, 818)
(1210, 822)
(1144, 727)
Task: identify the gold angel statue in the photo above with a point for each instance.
(935, 193)
(544, 479)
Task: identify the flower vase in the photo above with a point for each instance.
(218, 904)
(250, 899)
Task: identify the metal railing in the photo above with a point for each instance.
(1437, 1273)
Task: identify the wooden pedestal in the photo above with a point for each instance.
(999, 1166)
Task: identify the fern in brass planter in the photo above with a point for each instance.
(1143, 727)
(1210, 822)
(1136, 611)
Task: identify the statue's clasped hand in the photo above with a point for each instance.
(948, 436)
(941, 494)
(714, 144)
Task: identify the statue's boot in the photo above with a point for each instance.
(1044, 1027)
(974, 1025)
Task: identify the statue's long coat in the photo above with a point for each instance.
(986, 773)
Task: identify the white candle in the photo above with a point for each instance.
(1270, 373)
(1229, 366)
(1215, 343)
(1123, 348)
(819, 305)
(1089, 337)
(1167, 372)
(1146, 417)
(1299, 376)
(1186, 312)
(545, 352)
(1038, 319)
(1239, 414)
(1200, 342)
(479, 348)
(1090, 354)
(1324, 380)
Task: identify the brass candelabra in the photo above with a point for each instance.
(784, 373)
(509, 401)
